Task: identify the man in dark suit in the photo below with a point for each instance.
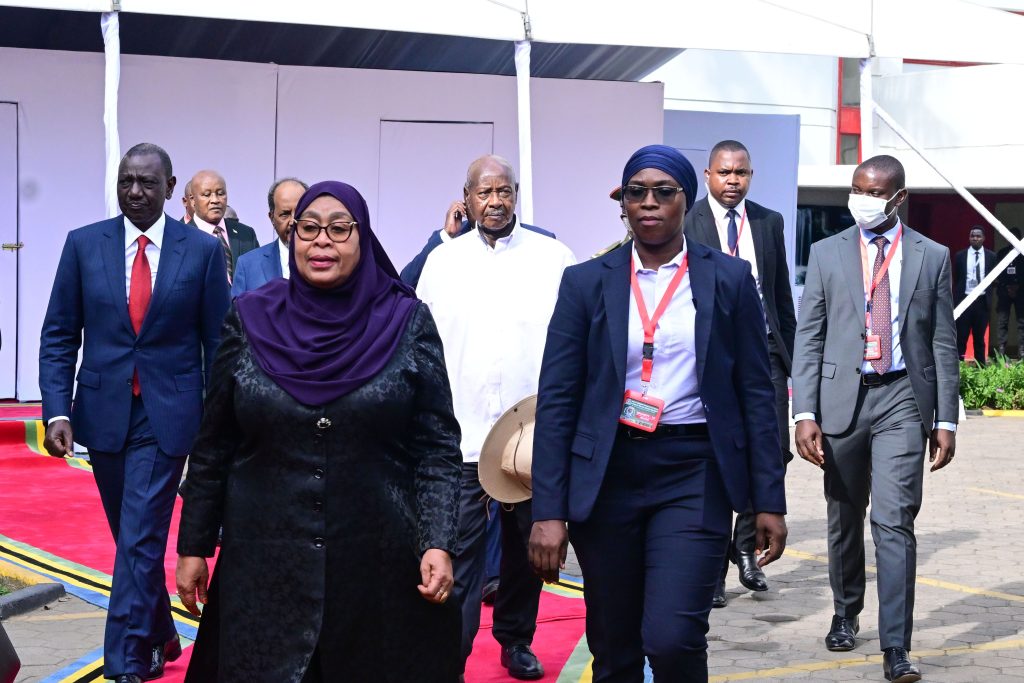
(270, 261)
(875, 377)
(209, 205)
(457, 221)
(186, 203)
(971, 265)
(149, 295)
(726, 220)
(1009, 295)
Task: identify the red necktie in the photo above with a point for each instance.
(881, 311)
(139, 294)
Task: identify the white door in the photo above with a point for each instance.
(422, 171)
(9, 254)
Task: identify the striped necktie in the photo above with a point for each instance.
(219, 233)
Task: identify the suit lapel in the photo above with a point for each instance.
(615, 284)
(913, 260)
(707, 229)
(852, 269)
(702, 285)
(757, 234)
(114, 266)
(232, 229)
(272, 261)
(171, 256)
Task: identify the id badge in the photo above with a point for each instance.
(641, 412)
(872, 347)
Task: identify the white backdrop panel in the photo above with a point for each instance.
(8, 259)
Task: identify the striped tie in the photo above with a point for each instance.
(219, 233)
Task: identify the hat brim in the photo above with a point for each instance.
(616, 193)
(506, 433)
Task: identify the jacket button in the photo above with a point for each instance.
(318, 506)
(318, 473)
(136, 348)
(318, 542)
(323, 423)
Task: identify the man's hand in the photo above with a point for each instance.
(771, 537)
(941, 447)
(193, 578)
(59, 441)
(436, 576)
(809, 442)
(453, 219)
(549, 542)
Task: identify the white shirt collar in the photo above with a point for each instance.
(204, 226)
(719, 211)
(890, 234)
(155, 232)
(677, 260)
(506, 242)
(282, 253)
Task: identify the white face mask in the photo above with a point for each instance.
(868, 211)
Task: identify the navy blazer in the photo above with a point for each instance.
(180, 332)
(411, 273)
(583, 376)
(257, 267)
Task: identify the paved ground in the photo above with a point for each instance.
(970, 599)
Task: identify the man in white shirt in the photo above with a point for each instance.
(491, 292)
(209, 214)
(259, 266)
(971, 266)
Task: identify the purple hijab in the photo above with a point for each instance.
(321, 344)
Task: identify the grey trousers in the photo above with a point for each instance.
(881, 458)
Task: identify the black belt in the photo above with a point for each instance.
(876, 380)
(663, 431)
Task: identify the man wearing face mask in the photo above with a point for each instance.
(875, 379)
(971, 266)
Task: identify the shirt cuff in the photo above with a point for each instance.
(57, 417)
(803, 416)
(948, 426)
(445, 237)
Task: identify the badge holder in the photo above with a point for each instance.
(639, 410)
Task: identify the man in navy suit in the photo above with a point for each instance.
(259, 266)
(149, 295)
(655, 420)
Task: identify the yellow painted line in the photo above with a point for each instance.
(12, 571)
(83, 672)
(74, 616)
(923, 580)
(1002, 413)
(864, 661)
(993, 492)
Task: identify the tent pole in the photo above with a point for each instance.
(525, 134)
(1018, 245)
(110, 24)
(867, 121)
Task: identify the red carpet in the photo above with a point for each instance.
(52, 505)
(20, 411)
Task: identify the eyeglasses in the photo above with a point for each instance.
(338, 232)
(662, 193)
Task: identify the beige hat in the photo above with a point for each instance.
(507, 454)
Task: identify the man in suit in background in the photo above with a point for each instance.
(209, 204)
(726, 220)
(270, 261)
(186, 203)
(971, 265)
(1009, 295)
(875, 378)
(149, 295)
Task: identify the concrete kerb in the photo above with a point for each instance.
(38, 591)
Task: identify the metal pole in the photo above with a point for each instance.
(110, 24)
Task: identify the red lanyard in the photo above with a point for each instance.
(869, 284)
(651, 323)
(739, 233)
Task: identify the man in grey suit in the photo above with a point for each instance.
(868, 395)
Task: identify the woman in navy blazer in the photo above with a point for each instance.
(649, 506)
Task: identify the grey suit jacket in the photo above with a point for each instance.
(830, 331)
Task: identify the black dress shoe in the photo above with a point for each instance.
(490, 592)
(720, 600)
(897, 667)
(751, 576)
(127, 678)
(521, 662)
(842, 636)
(168, 652)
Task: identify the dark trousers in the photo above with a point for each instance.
(651, 552)
(973, 321)
(1004, 302)
(881, 459)
(492, 565)
(745, 532)
(137, 486)
(518, 599)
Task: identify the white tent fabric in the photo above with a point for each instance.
(111, 25)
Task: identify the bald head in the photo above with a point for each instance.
(491, 164)
(209, 196)
(186, 200)
(490, 194)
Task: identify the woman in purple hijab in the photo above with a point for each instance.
(329, 453)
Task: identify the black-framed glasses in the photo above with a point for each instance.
(338, 231)
(637, 193)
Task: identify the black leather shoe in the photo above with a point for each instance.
(490, 592)
(168, 652)
(842, 636)
(751, 575)
(897, 667)
(720, 600)
(521, 662)
(127, 678)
